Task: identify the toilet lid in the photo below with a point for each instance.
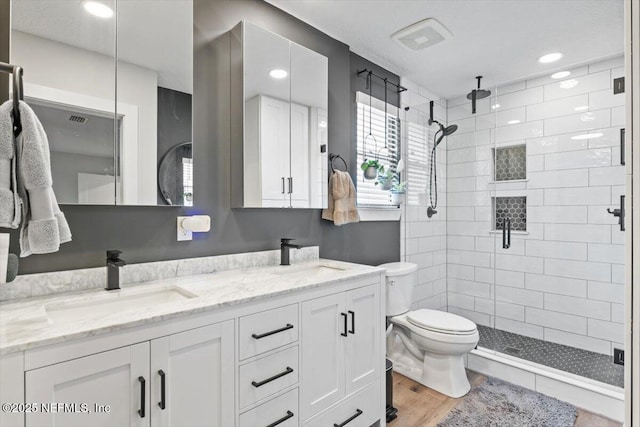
(440, 321)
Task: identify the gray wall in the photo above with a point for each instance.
(149, 233)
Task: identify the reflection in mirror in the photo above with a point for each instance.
(175, 175)
(106, 141)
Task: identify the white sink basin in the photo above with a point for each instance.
(113, 302)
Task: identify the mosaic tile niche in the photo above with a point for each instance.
(514, 208)
(511, 163)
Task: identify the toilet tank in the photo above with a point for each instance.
(401, 278)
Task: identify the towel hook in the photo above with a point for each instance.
(333, 157)
(17, 95)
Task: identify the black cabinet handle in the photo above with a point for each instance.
(283, 185)
(622, 146)
(163, 385)
(348, 420)
(344, 316)
(143, 384)
(266, 334)
(281, 420)
(290, 180)
(353, 322)
(273, 378)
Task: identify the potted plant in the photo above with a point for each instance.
(398, 190)
(371, 168)
(386, 179)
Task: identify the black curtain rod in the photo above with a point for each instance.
(371, 73)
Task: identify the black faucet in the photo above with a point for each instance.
(113, 269)
(284, 250)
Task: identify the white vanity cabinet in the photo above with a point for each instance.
(341, 353)
(194, 369)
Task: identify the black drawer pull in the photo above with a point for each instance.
(163, 385)
(273, 378)
(266, 334)
(344, 316)
(348, 420)
(143, 384)
(353, 322)
(281, 420)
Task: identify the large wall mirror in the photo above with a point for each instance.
(115, 100)
(281, 90)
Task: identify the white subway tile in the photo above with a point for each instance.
(578, 269)
(598, 214)
(557, 214)
(561, 250)
(605, 291)
(520, 328)
(535, 163)
(577, 122)
(559, 178)
(595, 157)
(557, 108)
(511, 87)
(556, 285)
(577, 85)
(461, 155)
(473, 139)
(618, 116)
(484, 305)
(576, 340)
(617, 72)
(461, 301)
(503, 117)
(430, 243)
(484, 275)
(607, 64)
(610, 138)
(422, 291)
(617, 313)
(486, 243)
(483, 213)
(578, 306)
(519, 131)
(467, 228)
(469, 287)
(510, 311)
(613, 254)
(614, 175)
(514, 279)
(555, 144)
(501, 186)
(554, 320)
(460, 242)
(455, 185)
(617, 273)
(519, 263)
(605, 99)
(460, 170)
(457, 271)
(474, 316)
(471, 198)
(520, 98)
(422, 259)
(477, 259)
(466, 125)
(519, 296)
(411, 246)
(578, 233)
(606, 330)
(577, 196)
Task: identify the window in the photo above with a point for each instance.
(371, 147)
(419, 143)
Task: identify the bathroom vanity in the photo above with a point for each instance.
(298, 345)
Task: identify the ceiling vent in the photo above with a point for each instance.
(77, 119)
(422, 34)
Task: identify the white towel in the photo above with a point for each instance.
(10, 203)
(44, 226)
(342, 200)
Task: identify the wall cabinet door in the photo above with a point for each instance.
(300, 167)
(274, 151)
(323, 361)
(363, 362)
(196, 370)
(117, 378)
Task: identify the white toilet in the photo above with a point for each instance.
(426, 345)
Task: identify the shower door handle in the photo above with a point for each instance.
(619, 213)
(506, 233)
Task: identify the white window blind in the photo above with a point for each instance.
(419, 143)
(373, 147)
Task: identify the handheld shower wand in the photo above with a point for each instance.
(433, 173)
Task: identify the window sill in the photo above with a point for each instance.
(379, 214)
(509, 181)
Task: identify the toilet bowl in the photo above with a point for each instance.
(427, 346)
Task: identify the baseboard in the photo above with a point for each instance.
(593, 396)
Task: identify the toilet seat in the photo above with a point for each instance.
(441, 321)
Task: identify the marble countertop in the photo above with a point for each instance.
(35, 322)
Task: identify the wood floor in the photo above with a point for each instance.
(419, 406)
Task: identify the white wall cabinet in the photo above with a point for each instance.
(195, 369)
(341, 353)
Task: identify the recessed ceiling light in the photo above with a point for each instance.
(587, 136)
(494, 106)
(582, 108)
(513, 122)
(278, 73)
(98, 9)
(568, 84)
(550, 57)
(560, 74)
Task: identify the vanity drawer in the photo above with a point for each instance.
(362, 409)
(266, 376)
(267, 330)
(281, 411)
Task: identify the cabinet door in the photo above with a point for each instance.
(110, 378)
(198, 371)
(300, 166)
(323, 353)
(363, 363)
(274, 151)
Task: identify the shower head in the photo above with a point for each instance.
(480, 93)
(445, 131)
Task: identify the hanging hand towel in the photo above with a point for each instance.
(44, 226)
(10, 204)
(342, 200)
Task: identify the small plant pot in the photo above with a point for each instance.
(397, 198)
(371, 172)
(385, 184)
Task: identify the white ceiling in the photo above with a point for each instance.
(499, 39)
(154, 34)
